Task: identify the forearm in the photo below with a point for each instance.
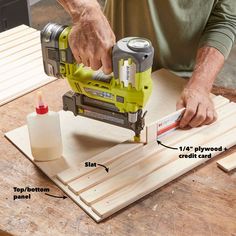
(209, 62)
(76, 8)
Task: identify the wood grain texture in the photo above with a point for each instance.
(88, 181)
(77, 139)
(20, 64)
(123, 162)
(155, 180)
(13, 31)
(102, 158)
(228, 163)
(21, 37)
(154, 161)
(20, 49)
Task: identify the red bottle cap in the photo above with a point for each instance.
(41, 108)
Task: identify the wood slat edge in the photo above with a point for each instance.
(104, 158)
(18, 48)
(228, 163)
(23, 62)
(121, 163)
(152, 162)
(26, 88)
(13, 31)
(157, 179)
(15, 57)
(14, 38)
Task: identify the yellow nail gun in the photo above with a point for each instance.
(117, 99)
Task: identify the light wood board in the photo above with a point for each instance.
(134, 169)
(228, 163)
(21, 63)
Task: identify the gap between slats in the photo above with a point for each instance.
(72, 173)
(18, 36)
(13, 31)
(11, 75)
(19, 55)
(124, 162)
(155, 161)
(21, 62)
(18, 48)
(156, 179)
(102, 158)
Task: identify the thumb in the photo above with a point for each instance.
(180, 104)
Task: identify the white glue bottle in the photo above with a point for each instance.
(44, 132)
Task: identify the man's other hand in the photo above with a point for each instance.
(199, 108)
(91, 39)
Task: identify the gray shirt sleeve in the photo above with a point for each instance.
(220, 31)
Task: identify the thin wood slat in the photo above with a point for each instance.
(13, 39)
(20, 55)
(228, 163)
(157, 179)
(74, 173)
(35, 71)
(102, 158)
(12, 74)
(13, 31)
(20, 49)
(22, 62)
(220, 100)
(123, 162)
(155, 161)
(26, 86)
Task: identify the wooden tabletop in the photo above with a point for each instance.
(202, 202)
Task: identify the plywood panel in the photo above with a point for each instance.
(121, 163)
(157, 179)
(73, 173)
(81, 142)
(154, 161)
(102, 158)
(20, 49)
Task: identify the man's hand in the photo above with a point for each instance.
(199, 108)
(91, 38)
(196, 95)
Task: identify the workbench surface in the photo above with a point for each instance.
(202, 202)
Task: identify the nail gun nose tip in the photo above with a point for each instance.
(137, 138)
